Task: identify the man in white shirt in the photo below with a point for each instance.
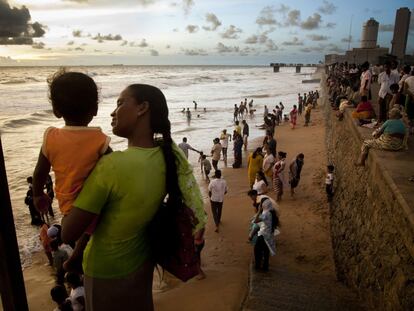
(216, 191)
(365, 80)
(224, 141)
(184, 146)
(386, 79)
(216, 152)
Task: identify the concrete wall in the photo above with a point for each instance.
(372, 225)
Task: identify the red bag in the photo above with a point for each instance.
(172, 241)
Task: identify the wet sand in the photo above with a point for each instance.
(304, 242)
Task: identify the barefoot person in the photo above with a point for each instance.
(278, 175)
(216, 191)
(224, 141)
(126, 189)
(295, 168)
(184, 146)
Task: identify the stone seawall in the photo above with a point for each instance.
(372, 218)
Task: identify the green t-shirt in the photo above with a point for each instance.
(125, 189)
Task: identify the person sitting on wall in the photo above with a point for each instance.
(364, 111)
(392, 135)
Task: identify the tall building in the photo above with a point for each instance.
(369, 34)
(399, 40)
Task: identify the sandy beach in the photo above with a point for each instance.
(303, 245)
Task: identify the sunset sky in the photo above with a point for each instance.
(233, 32)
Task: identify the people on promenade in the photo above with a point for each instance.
(392, 135)
(386, 79)
(224, 141)
(254, 164)
(237, 148)
(185, 146)
(295, 169)
(267, 221)
(366, 76)
(245, 133)
(293, 117)
(409, 101)
(216, 191)
(216, 152)
(117, 263)
(329, 182)
(363, 111)
(74, 97)
(260, 184)
(278, 175)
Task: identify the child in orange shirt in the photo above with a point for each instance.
(73, 150)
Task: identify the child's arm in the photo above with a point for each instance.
(40, 199)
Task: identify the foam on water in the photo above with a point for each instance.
(25, 113)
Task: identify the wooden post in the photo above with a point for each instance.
(13, 293)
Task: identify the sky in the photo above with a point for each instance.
(187, 32)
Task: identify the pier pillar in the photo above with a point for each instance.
(276, 68)
(298, 69)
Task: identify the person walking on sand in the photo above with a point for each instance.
(245, 133)
(224, 141)
(278, 175)
(216, 191)
(308, 110)
(236, 113)
(237, 149)
(184, 146)
(216, 153)
(295, 169)
(293, 117)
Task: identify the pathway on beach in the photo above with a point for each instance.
(302, 274)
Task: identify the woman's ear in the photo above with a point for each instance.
(142, 108)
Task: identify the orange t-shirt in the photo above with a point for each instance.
(73, 152)
(45, 238)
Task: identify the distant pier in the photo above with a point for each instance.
(276, 66)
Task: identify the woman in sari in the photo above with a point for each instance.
(278, 173)
(364, 110)
(392, 135)
(295, 168)
(254, 164)
(293, 117)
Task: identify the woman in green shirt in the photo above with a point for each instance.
(126, 189)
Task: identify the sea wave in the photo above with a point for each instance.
(19, 80)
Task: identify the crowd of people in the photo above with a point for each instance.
(391, 115)
(101, 196)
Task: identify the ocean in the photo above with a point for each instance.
(25, 113)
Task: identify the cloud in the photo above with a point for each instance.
(154, 53)
(293, 18)
(318, 37)
(231, 32)
(246, 51)
(195, 52)
(213, 20)
(311, 49)
(334, 48)
(330, 25)
(192, 28)
(15, 26)
(100, 38)
(282, 9)
(70, 43)
(312, 22)
(253, 39)
(347, 39)
(38, 45)
(386, 28)
(266, 17)
(295, 42)
(187, 6)
(110, 2)
(327, 8)
(7, 60)
(77, 33)
(271, 46)
(221, 48)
